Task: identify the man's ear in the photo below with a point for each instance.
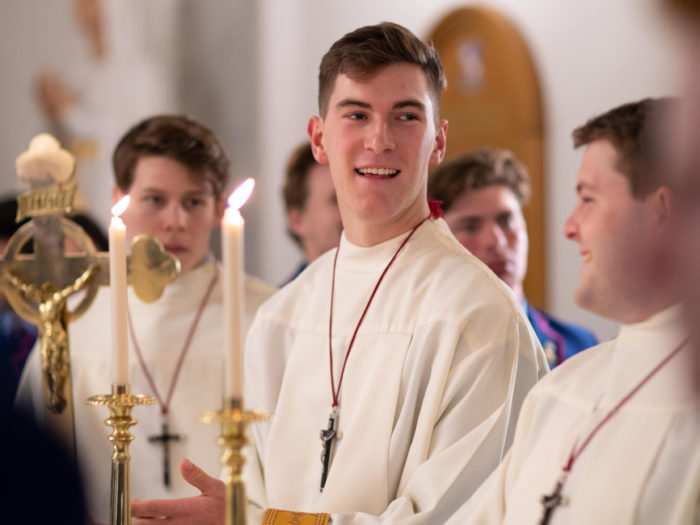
(294, 221)
(116, 195)
(220, 209)
(662, 202)
(440, 143)
(315, 130)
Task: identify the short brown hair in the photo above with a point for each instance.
(178, 138)
(632, 130)
(296, 182)
(686, 7)
(476, 170)
(363, 52)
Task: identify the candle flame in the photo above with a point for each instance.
(121, 206)
(241, 194)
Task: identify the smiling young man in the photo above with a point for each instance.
(483, 194)
(611, 435)
(175, 171)
(405, 369)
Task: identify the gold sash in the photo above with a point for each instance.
(288, 517)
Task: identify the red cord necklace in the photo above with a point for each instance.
(553, 500)
(331, 433)
(165, 437)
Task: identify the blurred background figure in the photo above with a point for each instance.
(129, 73)
(483, 194)
(313, 218)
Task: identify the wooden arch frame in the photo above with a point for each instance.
(493, 99)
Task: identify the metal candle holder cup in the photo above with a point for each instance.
(234, 420)
(120, 403)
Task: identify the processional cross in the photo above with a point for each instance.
(553, 500)
(38, 285)
(164, 438)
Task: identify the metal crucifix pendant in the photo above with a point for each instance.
(553, 500)
(164, 438)
(328, 435)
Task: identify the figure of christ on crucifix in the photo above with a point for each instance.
(328, 437)
(52, 324)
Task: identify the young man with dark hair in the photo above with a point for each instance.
(165, 148)
(611, 436)
(175, 171)
(483, 194)
(407, 359)
(313, 219)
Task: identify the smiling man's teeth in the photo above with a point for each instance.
(586, 257)
(377, 171)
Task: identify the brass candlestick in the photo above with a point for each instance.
(120, 403)
(234, 420)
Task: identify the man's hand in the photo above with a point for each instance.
(206, 509)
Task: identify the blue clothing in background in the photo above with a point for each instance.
(560, 340)
(296, 273)
(17, 338)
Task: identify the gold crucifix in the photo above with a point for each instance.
(38, 284)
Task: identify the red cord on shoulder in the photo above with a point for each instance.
(435, 209)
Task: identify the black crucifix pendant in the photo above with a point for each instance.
(164, 439)
(553, 500)
(328, 435)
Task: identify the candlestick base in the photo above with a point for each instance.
(120, 403)
(234, 420)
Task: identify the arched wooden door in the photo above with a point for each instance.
(493, 99)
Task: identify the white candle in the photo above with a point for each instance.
(232, 227)
(117, 282)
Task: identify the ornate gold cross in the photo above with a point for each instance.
(38, 284)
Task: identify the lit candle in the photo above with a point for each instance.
(232, 227)
(117, 282)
